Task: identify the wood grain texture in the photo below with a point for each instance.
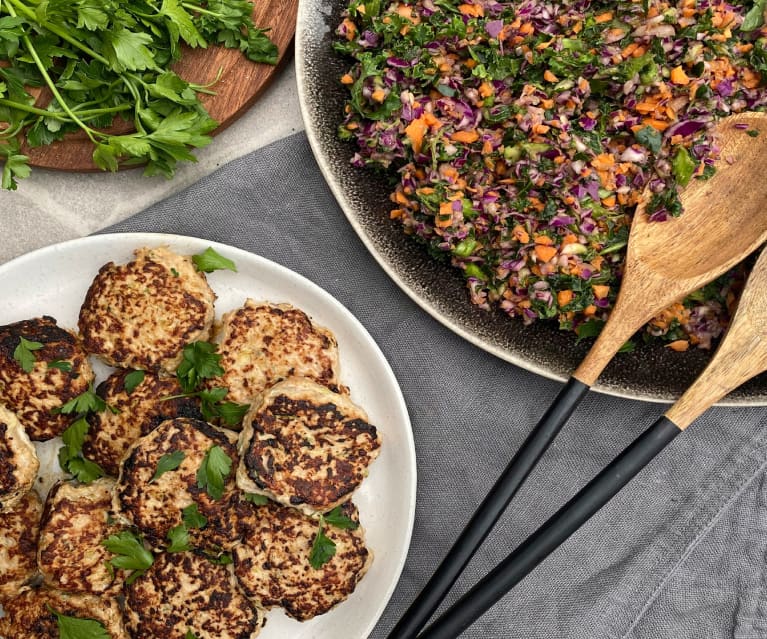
(242, 81)
(741, 355)
(724, 219)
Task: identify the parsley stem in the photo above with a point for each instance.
(62, 115)
(59, 32)
(51, 84)
(198, 9)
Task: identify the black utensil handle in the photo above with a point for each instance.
(490, 510)
(555, 531)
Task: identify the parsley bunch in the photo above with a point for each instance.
(108, 58)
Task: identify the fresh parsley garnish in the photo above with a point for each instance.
(71, 457)
(337, 518)
(650, 137)
(179, 539)
(86, 402)
(192, 517)
(214, 469)
(212, 406)
(179, 535)
(220, 560)
(168, 462)
(209, 261)
(24, 354)
(108, 58)
(323, 548)
(130, 554)
(258, 500)
(61, 365)
(132, 380)
(76, 628)
(190, 635)
(200, 361)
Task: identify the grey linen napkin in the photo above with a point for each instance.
(679, 554)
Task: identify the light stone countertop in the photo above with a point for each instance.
(52, 206)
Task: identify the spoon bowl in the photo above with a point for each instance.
(724, 220)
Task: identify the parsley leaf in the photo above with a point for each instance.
(24, 354)
(130, 553)
(214, 469)
(337, 518)
(209, 261)
(650, 138)
(192, 517)
(132, 380)
(213, 407)
(190, 635)
(755, 17)
(15, 165)
(85, 402)
(76, 628)
(168, 462)
(221, 560)
(71, 456)
(323, 548)
(258, 500)
(61, 364)
(200, 361)
(179, 539)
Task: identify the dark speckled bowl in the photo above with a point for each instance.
(651, 372)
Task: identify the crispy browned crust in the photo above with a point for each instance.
(29, 615)
(186, 591)
(155, 507)
(111, 433)
(272, 562)
(141, 315)
(305, 446)
(32, 396)
(75, 522)
(19, 528)
(263, 343)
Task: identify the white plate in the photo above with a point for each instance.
(53, 281)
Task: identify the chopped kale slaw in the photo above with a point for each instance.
(523, 133)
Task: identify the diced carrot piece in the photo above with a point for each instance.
(415, 132)
(379, 95)
(347, 79)
(467, 137)
(543, 240)
(600, 291)
(590, 310)
(750, 79)
(570, 238)
(659, 125)
(564, 297)
(527, 28)
(476, 10)
(604, 17)
(679, 345)
(609, 202)
(549, 76)
(678, 76)
(545, 253)
(603, 161)
(520, 234)
(486, 89)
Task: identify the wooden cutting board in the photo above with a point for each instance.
(242, 81)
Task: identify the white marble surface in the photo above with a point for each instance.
(52, 206)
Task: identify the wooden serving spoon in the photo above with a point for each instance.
(724, 220)
(741, 356)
